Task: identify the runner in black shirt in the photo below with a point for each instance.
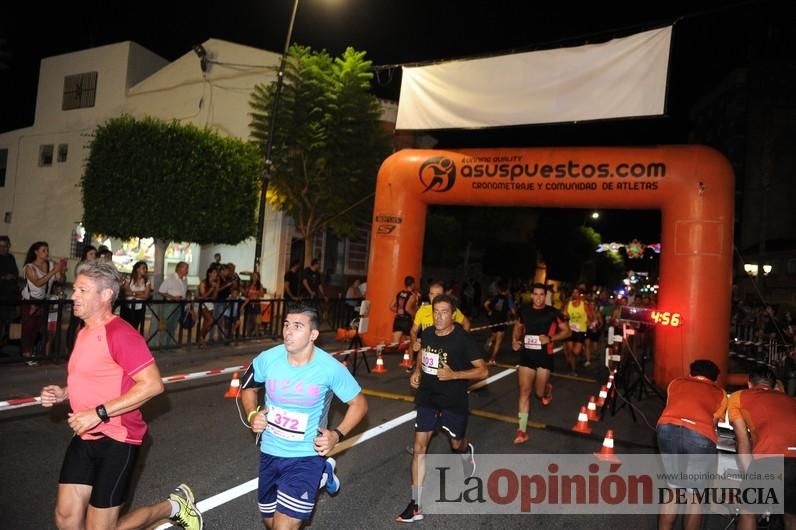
(499, 308)
(449, 359)
(538, 326)
(404, 307)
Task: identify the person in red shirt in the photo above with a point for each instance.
(111, 374)
(687, 435)
(764, 421)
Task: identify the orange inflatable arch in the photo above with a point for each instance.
(692, 186)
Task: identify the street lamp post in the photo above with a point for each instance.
(280, 81)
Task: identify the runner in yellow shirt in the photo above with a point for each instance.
(424, 318)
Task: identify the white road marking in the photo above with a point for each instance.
(238, 491)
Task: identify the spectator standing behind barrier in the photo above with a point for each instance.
(254, 292)
(311, 284)
(764, 421)
(232, 312)
(110, 376)
(226, 281)
(174, 288)
(687, 436)
(353, 299)
(293, 281)
(136, 289)
(105, 254)
(208, 290)
(9, 290)
(40, 274)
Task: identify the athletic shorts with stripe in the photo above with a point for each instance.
(289, 485)
(104, 464)
(430, 419)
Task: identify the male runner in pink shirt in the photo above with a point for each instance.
(111, 374)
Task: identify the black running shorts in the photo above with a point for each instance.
(104, 464)
(402, 323)
(577, 336)
(534, 359)
(430, 419)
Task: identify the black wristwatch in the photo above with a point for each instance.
(340, 436)
(103, 414)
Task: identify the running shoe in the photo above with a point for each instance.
(468, 461)
(410, 514)
(329, 478)
(521, 437)
(548, 394)
(189, 517)
(492, 362)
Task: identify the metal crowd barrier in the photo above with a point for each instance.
(748, 346)
(53, 327)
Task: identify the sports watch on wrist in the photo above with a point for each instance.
(103, 414)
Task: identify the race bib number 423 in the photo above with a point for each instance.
(287, 424)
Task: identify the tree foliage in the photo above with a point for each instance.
(328, 142)
(169, 181)
(568, 250)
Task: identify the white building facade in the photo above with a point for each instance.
(41, 166)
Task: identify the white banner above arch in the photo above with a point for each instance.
(617, 79)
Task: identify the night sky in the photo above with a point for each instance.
(710, 40)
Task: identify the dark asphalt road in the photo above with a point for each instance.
(196, 437)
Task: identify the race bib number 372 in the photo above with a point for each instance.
(287, 424)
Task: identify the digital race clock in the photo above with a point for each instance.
(651, 316)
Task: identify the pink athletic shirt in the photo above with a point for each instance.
(101, 367)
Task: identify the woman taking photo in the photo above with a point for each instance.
(208, 289)
(40, 274)
(136, 288)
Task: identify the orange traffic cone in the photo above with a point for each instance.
(602, 397)
(406, 362)
(606, 453)
(379, 368)
(583, 422)
(234, 387)
(592, 410)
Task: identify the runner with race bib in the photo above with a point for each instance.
(534, 332)
(300, 381)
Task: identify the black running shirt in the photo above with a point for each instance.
(542, 321)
